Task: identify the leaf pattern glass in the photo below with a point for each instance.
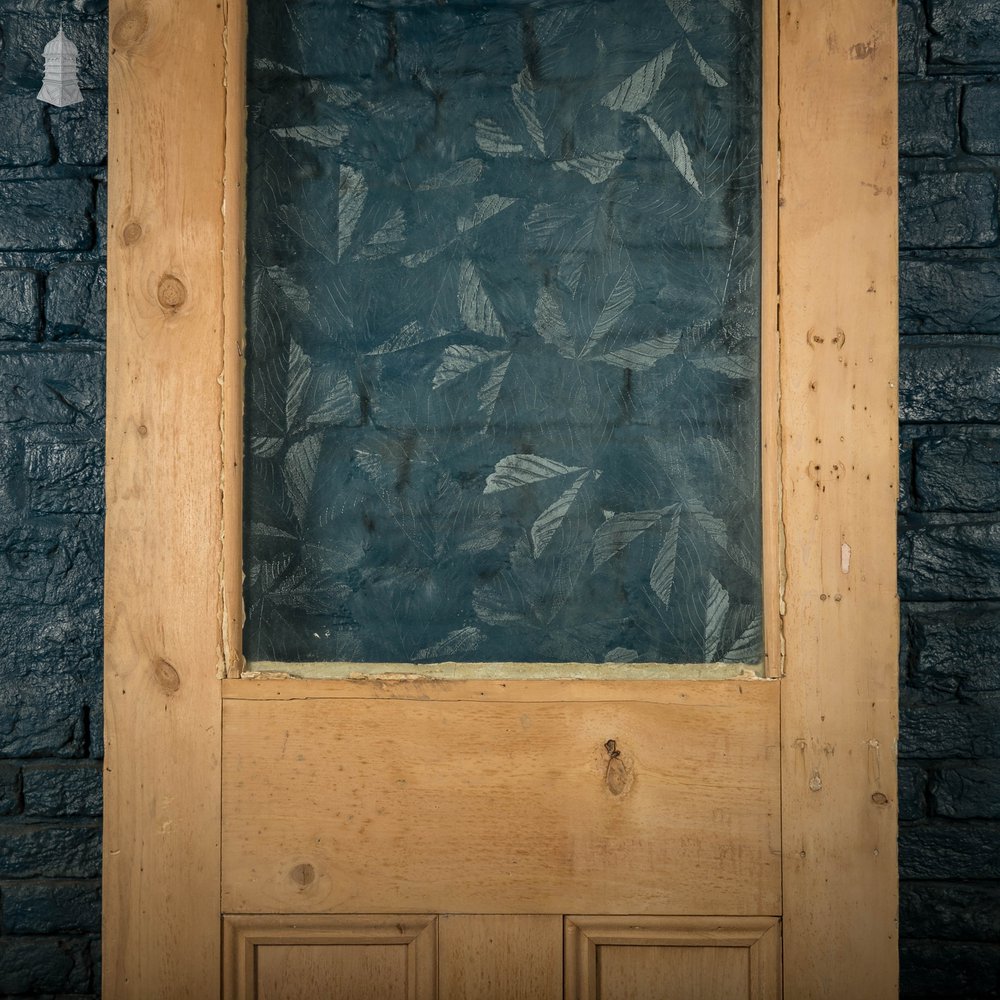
(503, 331)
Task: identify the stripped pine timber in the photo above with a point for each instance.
(163, 601)
(772, 540)
(500, 957)
(632, 958)
(471, 804)
(233, 306)
(309, 957)
(838, 294)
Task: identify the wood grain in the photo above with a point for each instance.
(504, 806)
(772, 538)
(688, 958)
(626, 973)
(303, 957)
(233, 301)
(838, 292)
(305, 972)
(500, 957)
(163, 602)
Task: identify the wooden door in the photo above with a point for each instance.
(495, 835)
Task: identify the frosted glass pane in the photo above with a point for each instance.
(503, 331)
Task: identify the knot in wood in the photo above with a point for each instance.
(616, 774)
(130, 28)
(131, 234)
(167, 676)
(171, 293)
(303, 875)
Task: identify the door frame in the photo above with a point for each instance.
(173, 573)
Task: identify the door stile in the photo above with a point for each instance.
(163, 550)
(838, 292)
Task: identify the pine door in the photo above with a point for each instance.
(503, 830)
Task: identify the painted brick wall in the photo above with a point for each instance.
(949, 562)
(52, 206)
(52, 198)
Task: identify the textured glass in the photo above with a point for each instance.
(503, 331)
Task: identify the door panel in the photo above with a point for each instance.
(652, 958)
(361, 957)
(493, 796)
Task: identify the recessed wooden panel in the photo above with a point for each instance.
(305, 972)
(650, 958)
(358, 957)
(500, 957)
(628, 973)
(472, 806)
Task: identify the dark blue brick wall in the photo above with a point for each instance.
(949, 570)
(52, 193)
(52, 283)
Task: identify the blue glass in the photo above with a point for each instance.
(503, 331)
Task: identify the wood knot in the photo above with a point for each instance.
(131, 234)
(171, 293)
(303, 875)
(167, 676)
(616, 774)
(130, 28)
(880, 798)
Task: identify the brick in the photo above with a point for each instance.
(75, 302)
(64, 477)
(967, 791)
(950, 911)
(949, 296)
(31, 966)
(24, 139)
(19, 304)
(66, 638)
(903, 500)
(912, 791)
(930, 969)
(47, 565)
(60, 388)
(41, 215)
(912, 34)
(942, 560)
(47, 723)
(928, 118)
(62, 789)
(50, 851)
(947, 380)
(51, 907)
(81, 130)
(981, 119)
(947, 210)
(102, 217)
(27, 30)
(965, 33)
(942, 732)
(949, 851)
(957, 473)
(10, 788)
(952, 651)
